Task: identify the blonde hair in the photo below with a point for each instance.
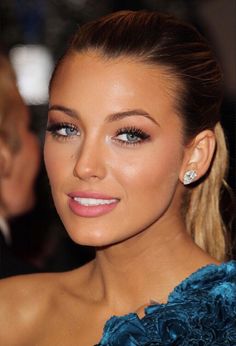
(203, 217)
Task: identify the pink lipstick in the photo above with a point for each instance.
(91, 204)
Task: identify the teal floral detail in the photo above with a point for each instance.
(200, 311)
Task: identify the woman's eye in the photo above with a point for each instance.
(63, 130)
(131, 136)
(67, 131)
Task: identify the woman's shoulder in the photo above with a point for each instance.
(26, 301)
(23, 287)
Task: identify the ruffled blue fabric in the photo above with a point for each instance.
(200, 311)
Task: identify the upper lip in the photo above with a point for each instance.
(90, 194)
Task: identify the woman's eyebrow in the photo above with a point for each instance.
(133, 112)
(68, 111)
(110, 118)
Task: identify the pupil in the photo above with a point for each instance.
(132, 136)
(70, 131)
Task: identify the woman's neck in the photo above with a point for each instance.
(146, 267)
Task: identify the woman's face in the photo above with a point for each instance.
(113, 149)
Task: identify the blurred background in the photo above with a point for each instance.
(35, 33)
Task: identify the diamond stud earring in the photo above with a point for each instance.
(189, 177)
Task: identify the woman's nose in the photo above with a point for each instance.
(90, 161)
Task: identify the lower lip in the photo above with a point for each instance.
(90, 211)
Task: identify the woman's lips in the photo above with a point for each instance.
(91, 204)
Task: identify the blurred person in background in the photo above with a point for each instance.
(19, 165)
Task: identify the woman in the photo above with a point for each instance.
(136, 158)
(19, 164)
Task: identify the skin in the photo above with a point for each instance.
(143, 249)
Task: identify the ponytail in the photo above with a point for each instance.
(203, 217)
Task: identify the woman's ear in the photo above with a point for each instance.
(198, 157)
(6, 159)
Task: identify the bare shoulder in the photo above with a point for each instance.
(25, 303)
(34, 307)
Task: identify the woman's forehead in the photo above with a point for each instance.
(95, 88)
(123, 76)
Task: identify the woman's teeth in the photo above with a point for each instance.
(93, 201)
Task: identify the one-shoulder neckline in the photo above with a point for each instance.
(189, 283)
(209, 284)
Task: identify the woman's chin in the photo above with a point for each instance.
(94, 239)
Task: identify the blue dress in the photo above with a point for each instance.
(200, 311)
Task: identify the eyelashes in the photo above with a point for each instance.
(63, 131)
(129, 136)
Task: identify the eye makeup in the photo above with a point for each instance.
(62, 130)
(131, 135)
(125, 136)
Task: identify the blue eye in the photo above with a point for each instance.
(67, 131)
(63, 130)
(131, 136)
